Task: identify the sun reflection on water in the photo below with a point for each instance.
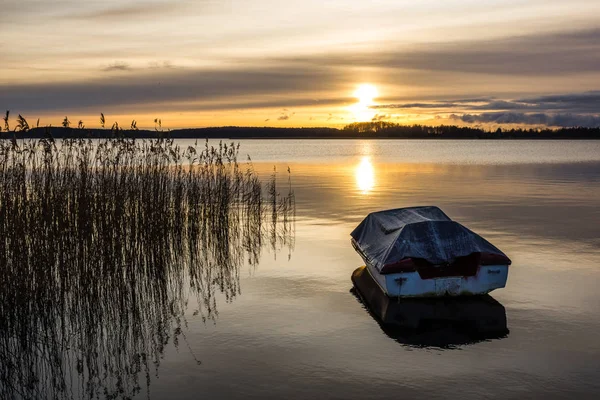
(365, 175)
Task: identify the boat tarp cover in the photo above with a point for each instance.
(387, 237)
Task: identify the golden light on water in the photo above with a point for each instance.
(365, 175)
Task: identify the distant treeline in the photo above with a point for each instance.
(359, 130)
(390, 130)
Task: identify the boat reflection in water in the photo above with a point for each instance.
(431, 322)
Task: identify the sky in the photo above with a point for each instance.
(272, 63)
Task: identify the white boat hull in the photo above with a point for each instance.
(410, 284)
(436, 321)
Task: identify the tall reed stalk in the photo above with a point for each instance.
(102, 246)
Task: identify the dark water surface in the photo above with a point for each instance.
(295, 330)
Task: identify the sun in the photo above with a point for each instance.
(366, 93)
(364, 109)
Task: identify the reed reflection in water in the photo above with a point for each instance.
(104, 244)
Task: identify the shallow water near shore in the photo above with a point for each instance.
(296, 330)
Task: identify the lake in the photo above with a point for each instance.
(295, 330)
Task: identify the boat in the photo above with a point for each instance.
(444, 322)
(421, 252)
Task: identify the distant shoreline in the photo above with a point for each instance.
(355, 131)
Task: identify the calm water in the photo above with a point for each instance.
(296, 330)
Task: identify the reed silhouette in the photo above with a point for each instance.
(105, 244)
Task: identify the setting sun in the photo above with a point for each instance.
(366, 93)
(362, 110)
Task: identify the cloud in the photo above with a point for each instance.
(580, 102)
(380, 117)
(418, 105)
(285, 115)
(570, 109)
(569, 52)
(438, 70)
(139, 10)
(124, 66)
(158, 65)
(176, 89)
(117, 66)
(556, 120)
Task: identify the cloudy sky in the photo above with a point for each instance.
(267, 62)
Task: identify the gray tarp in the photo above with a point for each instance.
(387, 237)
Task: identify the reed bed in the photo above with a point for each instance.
(104, 245)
